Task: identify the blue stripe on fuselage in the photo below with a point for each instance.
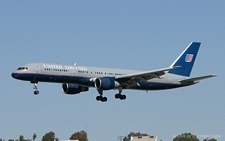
(86, 81)
(55, 78)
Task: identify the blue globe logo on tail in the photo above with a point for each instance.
(189, 57)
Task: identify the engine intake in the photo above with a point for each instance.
(73, 89)
(106, 83)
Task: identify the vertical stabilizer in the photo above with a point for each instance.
(186, 60)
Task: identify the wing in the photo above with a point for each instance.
(131, 79)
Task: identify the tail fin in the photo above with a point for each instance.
(186, 60)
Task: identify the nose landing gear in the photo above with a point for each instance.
(36, 92)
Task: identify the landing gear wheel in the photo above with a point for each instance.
(120, 96)
(123, 97)
(36, 92)
(104, 99)
(117, 96)
(98, 98)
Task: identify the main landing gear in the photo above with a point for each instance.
(101, 98)
(119, 95)
(104, 99)
(36, 92)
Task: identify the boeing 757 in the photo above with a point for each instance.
(76, 79)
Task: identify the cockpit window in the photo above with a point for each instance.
(22, 68)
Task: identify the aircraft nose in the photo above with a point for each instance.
(15, 74)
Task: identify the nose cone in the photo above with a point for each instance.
(15, 74)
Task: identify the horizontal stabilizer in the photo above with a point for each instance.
(196, 79)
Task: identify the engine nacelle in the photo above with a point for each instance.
(73, 89)
(106, 83)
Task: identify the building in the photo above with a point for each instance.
(143, 138)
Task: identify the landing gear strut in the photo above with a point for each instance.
(119, 95)
(36, 92)
(101, 98)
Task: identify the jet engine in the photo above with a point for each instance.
(106, 83)
(73, 89)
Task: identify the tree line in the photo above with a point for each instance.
(50, 136)
(82, 136)
(181, 137)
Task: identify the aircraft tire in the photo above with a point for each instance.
(98, 98)
(36, 92)
(104, 99)
(117, 96)
(123, 97)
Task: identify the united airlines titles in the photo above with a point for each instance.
(64, 67)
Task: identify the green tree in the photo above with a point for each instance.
(81, 136)
(50, 136)
(186, 137)
(210, 139)
(134, 134)
(126, 139)
(10, 140)
(34, 136)
(21, 138)
(74, 136)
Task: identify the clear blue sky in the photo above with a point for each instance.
(130, 34)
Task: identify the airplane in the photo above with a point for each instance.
(76, 79)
